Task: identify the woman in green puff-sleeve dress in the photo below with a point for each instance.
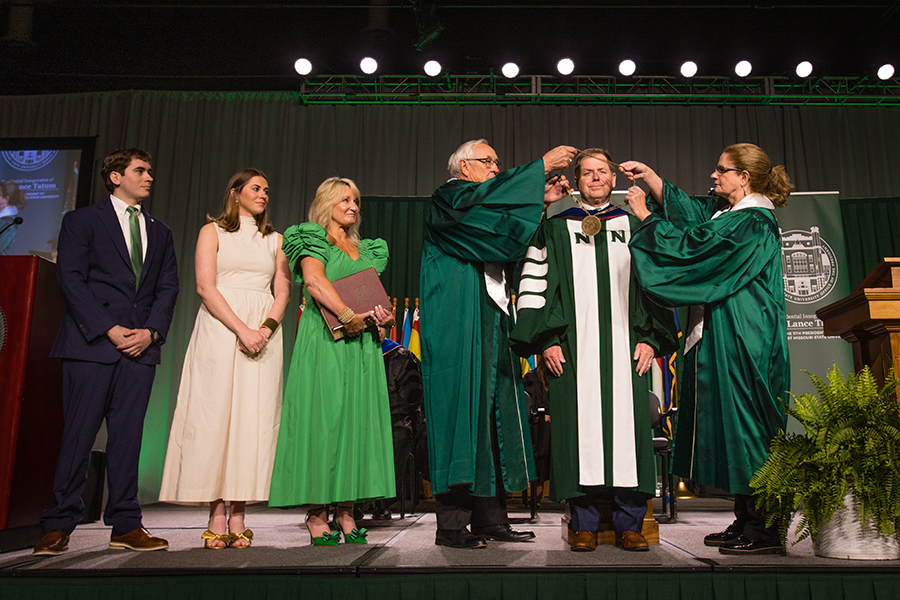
(335, 439)
(725, 263)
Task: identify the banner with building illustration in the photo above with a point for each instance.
(814, 258)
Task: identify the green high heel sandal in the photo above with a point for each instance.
(356, 536)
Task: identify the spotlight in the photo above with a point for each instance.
(303, 66)
(565, 66)
(510, 70)
(432, 68)
(885, 72)
(689, 69)
(368, 65)
(804, 69)
(743, 68)
(627, 67)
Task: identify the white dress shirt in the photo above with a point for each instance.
(121, 212)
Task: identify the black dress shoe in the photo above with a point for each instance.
(744, 545)
(717, 539)
(503, 533)
(458, 538)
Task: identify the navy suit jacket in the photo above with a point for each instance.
(95, 276)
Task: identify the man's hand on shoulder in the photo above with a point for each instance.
(130, 342)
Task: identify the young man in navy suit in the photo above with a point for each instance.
(117, 272)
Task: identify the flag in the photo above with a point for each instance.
(415, 342)
(670, 384)
(392, 334)
(407, 328)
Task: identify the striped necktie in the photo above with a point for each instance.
(137, 249)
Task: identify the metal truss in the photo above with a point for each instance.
(587, 90)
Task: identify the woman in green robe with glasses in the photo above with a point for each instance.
(723, 259)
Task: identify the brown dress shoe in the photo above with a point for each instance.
(585, 541)
(632, 540)
(53, 543)
(139, 539)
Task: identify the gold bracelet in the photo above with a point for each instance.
(346, 315)
(271, 324)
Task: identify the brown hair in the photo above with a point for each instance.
(118, 160)
(230, 219)
(771, 182)
(10, 189)
(595, 153)
(330, 192)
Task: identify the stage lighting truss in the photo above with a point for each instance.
(546, 89)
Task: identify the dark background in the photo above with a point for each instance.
(92, 45)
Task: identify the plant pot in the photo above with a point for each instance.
(844, 536)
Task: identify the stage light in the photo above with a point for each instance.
(885, 72)
(689, 69)
(627, 67)
(743, 68)
(804, 69)
(303, 66)
(368, 65)
(510, 70)
(565, 66)
(432, 68)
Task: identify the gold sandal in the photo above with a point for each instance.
(208, 536)
(247, 536)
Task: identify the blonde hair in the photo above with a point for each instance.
(330, 192)
(230, 219)
(771, 182)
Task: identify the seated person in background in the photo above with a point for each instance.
(404, 380)
(537, 388)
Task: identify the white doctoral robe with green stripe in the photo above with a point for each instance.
(580, 292)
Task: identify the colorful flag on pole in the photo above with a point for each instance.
(415, 342)
(407, 328)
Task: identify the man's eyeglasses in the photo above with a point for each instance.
(487, 162)
(722, 170)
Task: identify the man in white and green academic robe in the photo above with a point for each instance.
(477, 226)
(581, 307)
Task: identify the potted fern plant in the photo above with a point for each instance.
(842, 473)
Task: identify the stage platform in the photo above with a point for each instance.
(401, 561)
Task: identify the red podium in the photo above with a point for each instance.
(31, 309)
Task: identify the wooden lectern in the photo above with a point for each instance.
(869, 318)
(31, 422)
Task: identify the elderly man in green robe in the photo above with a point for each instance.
(581, 307)
(478, 225)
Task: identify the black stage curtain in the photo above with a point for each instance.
(872, 231)
(199, 140)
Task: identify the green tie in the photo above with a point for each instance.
(137, 249)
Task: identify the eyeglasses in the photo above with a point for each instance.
(487, 162)
(722, 170)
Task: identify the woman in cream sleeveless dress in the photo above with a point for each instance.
(225, 428)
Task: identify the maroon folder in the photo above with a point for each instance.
(362, 292)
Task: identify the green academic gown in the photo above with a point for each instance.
(471, 376)
(580, 292)
(736, 376)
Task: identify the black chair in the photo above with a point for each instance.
(661, 448)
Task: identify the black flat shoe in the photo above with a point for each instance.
(458, 538)
(744, 545)
(717, 539)
(503, 533)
